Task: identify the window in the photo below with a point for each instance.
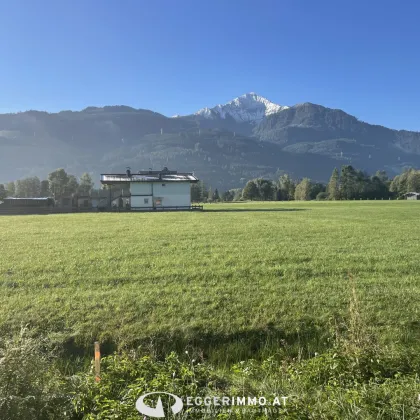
(146, 201)
(86, 203)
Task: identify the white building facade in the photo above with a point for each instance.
(152, 190)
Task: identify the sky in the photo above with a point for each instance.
(177, 56)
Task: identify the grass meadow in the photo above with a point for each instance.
(232, 283)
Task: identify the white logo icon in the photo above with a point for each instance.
(158, 411)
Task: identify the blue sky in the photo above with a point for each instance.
(175, 57)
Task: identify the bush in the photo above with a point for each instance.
(126, 377)
(30, 388)
(355, 378)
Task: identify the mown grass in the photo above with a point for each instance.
(234, 282)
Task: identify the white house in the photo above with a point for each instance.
(151, 190)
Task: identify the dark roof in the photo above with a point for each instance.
(26, 202)
(149, 176)
(29, 198)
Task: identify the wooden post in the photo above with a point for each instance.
(97, 362)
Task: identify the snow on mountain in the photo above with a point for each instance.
(250, 108)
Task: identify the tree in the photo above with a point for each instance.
(265, 188)
(362, 185)
(204, 190)
(250, 191)
(58, 181)
(216, 195)
(407, 181)
(34, 186)
(285, 188)
(28, 187)
(403, 182)
(413, 181)
(86, 184)
(316, 188)
(20, 190)
(199, 192)
(3, 192)
(237, 194)
(303, 190)
(378, 188)
(348, 183)
(334, 185)
(11, 189)
(196, 193)
(45, 188)
(72, 186)
(382, 176)
(228, 195)
(395, 186)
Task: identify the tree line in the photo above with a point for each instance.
(347, 183)
(57, 185)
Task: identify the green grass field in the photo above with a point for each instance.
(240, 275)
(235, 282)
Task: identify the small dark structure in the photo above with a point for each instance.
(28, 202)
(39, 205)
(412, 196)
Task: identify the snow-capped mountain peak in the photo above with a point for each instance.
(250, 108)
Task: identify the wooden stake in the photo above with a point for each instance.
(97, 362)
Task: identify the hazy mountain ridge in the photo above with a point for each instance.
(248, 137)
(334, 121)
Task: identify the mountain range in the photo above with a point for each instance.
(224, 145)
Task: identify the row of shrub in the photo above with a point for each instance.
(354, 379)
